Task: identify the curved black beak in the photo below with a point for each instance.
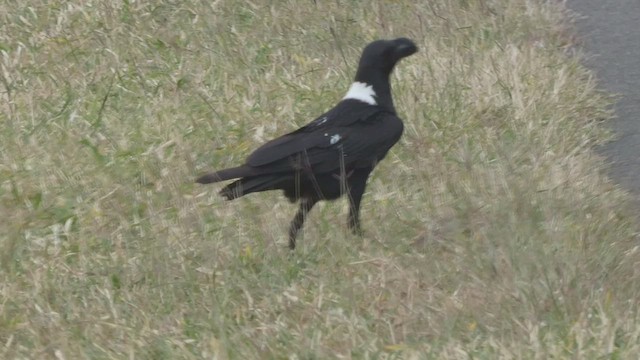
(404, 48)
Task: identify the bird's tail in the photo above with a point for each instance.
(249, 185)
(226, 174)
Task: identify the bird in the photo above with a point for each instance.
(334, 154)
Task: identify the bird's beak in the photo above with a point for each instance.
(404, 48)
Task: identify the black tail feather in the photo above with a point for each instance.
(249, 185)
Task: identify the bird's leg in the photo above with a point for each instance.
(354, 216)
(296, 224)
(358, 183)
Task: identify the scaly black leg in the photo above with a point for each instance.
(357, 182)
(298, 221)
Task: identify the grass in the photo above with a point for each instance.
(491, 229)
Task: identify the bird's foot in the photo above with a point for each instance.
(355, 228)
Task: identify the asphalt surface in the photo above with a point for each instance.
(609, 32)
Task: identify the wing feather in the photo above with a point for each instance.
(344, 115)
(360, 144)
(283, 147)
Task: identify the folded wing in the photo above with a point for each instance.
(327, 148)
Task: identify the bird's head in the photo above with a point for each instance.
(376, 63)
(383, 55)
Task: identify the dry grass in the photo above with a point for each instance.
(490, 230)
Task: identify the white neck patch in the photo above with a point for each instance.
(363, 92)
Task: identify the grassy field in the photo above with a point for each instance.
(491, 230)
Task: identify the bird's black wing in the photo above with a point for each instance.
(344, 114)
(323, 150)
(314, 134)
(360, 145)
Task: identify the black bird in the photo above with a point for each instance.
(335, 153)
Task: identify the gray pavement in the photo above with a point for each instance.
(609, 31)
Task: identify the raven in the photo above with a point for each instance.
(335, 153)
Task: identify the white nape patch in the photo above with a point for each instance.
(363, 92)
